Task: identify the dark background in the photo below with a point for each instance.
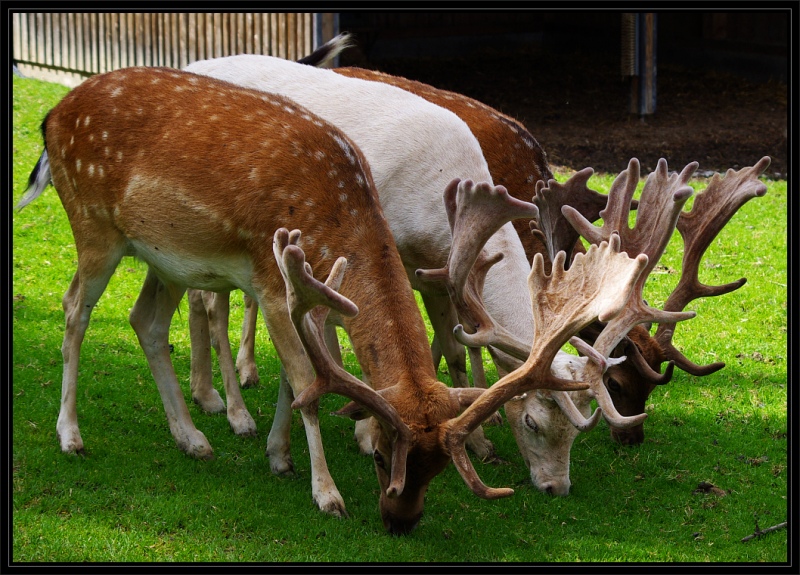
(721, 80)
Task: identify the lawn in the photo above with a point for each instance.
(135, 497)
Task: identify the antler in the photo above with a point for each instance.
(712, 209)
(662, 199)
(484, 208)
(475, 212)
(597, 285)
(551, 227)
(309, 302)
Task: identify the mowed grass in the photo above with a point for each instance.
(135, 497)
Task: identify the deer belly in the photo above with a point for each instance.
(217, 273)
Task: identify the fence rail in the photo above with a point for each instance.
(73, 46)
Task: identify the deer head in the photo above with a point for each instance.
(630, 383)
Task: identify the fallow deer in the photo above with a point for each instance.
(193, 176)
(189, 175)
(414, 149)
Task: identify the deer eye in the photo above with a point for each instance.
(613, 385)
(379, 461)
(531, 423)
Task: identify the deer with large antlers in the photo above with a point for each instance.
(517, 161)
(427, 430)
(414, 149)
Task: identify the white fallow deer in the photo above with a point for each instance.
(194, 176)
(415, 149)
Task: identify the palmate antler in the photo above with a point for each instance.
(551, 228)
(484, 207)
(475, 212)
(309, 302)
(712, 209)
(662, 199)
(596, 286)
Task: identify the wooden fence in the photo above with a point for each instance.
(70, 47)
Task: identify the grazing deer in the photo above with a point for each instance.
(415, 149)
(190, 175)
(517, 161)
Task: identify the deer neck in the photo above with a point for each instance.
(388, 334)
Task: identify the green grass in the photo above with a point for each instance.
(135, 497)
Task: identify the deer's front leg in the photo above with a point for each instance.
(300, 375)
(217, 307)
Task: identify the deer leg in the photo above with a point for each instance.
(363, 427)
(278, 440)
(217, 307)
(87, 285)
(443, 319)
(150, 318)
(203, 392)
(300, 375)
(245, 359)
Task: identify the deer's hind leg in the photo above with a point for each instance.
(95, 269)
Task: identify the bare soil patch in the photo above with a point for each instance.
(576, 106)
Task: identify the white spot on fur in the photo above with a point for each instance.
(289, 109)
(105, 135)
(119, 155)
(342, 197)
(78, 165)
(340, 185)
(348, 151)
(213, 117)
(354, 212)
(72, 140)
(360, 180)
(101, 171)
(116, 91)
(253, 174)
(324, 251)
(319, 154)
(87, 120)
(91, 170)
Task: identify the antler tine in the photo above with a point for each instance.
(712, 210)
(475, 212)
(597, 285)
(552, 228)
(309, 301)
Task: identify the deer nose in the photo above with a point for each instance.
(401, 525)
(631, 436)
(558, 488)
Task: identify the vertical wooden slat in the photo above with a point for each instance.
(94, 42)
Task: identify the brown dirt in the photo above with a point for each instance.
(577, 108)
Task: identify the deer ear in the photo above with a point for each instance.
(354, 411)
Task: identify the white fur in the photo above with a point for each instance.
(414, 149)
